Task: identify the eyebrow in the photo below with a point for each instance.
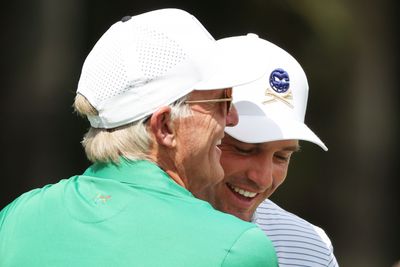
(295, 148)
(292, 148)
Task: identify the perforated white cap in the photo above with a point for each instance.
(273, 108)
(152, 59)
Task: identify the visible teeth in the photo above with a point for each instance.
(242, 192)
(219, 142)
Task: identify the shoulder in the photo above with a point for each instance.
(252, 248)
(286, 230)
(269, 213)
(27, 204)
(244, 243)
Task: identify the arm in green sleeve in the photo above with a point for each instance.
(251, 249)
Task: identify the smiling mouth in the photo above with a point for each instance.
(241, 192)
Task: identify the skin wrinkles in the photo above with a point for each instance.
(196, 154)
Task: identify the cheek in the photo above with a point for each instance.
(233, 165)
(208, 131)
(218, 121)
(280, 176)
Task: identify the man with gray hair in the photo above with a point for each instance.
(256, 155)
(156, 89)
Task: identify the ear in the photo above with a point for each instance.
(162, 128)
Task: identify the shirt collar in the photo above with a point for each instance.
(140, 173)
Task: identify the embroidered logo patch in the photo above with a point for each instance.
(100, 198)
(280, 88)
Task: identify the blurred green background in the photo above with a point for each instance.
(349, 50)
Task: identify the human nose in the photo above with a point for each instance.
(232, 117)
(261, 173)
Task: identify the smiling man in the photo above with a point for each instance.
(252, 174)
(256, 155)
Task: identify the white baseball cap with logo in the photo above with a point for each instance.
(146, 61)
(273, 108)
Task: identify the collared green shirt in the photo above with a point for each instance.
(131, 214)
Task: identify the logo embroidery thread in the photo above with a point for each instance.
(99, 198)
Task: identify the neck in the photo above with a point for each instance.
(174, 176)
(167, 164)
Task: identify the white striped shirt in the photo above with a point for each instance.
(296, 241)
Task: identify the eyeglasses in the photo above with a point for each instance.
(227, 98)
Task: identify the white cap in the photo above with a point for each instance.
(150, 60)
(273, 107)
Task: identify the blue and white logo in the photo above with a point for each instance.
(279, 80)
(279, 90)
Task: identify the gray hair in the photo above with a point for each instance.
(132, 141)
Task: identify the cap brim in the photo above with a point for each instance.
(235, 61)
(255, 126)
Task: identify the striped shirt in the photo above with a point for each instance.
(297, 242)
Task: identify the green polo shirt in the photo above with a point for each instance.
(132, 214)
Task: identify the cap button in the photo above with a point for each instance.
(126, 18)
(252, 35)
